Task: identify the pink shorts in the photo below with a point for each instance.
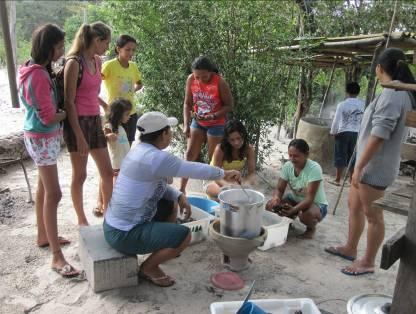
(43, 151)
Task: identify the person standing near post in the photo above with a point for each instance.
(345, 127)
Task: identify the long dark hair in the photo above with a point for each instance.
(123, 40)
(393, 61)
(231, 127)
(203, 63)
(44, 39)
(117, 109)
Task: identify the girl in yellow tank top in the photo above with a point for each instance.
(233, 153)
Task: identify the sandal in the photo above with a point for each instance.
(62, 241)
(98, 211)
(163, 281)
(67, 271)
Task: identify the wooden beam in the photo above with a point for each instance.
(411, 119)
(11, 71)
(392, 249)
(371, 81)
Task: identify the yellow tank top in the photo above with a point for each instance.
(233, 165)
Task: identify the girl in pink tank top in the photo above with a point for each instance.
(86, 99)
(83, 131)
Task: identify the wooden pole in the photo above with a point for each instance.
(12, 23)
(11, 71)
(371, 81)
(328, 88)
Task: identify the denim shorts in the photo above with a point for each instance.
(215, 130)
(323, 208)
(147, 237)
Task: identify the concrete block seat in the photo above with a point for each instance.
(104, 267)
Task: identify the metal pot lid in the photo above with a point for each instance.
(368, 303)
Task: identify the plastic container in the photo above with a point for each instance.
(199, 227)
(203, 203)
(273, 306)
(277, 228)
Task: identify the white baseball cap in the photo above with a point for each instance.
(154, 121)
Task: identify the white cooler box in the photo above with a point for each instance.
(273, 306)
(199, 227)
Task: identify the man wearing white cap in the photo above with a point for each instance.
(140, 216)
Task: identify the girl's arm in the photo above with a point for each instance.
(109, 135)
(218, 158)
(103, 104)
(307, 202)
(251, 166)
(187, 106)
(277, 194)
(371, 148)
(226, 98)
(70, 90)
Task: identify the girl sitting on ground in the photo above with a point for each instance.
(116, 136)
(233, 153)
(307, 198)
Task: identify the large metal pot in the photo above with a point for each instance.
(241, 215)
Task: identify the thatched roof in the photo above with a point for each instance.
(323, 51)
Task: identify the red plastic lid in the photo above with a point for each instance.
(227, 281)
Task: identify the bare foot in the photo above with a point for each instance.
(342, 252)
(358, 268)
(308, 234)
(62, 241)
(157, 276)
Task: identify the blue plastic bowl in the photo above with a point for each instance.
(250, 308)
(205, 204)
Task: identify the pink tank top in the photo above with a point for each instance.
(86, 99)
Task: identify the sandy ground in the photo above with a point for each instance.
(300, 268)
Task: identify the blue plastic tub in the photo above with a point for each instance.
(205, 204)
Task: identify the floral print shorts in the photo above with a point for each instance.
(43, 151)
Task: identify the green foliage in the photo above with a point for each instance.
(172, 33)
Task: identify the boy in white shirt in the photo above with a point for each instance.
(345, 128)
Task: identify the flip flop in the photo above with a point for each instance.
(333, 251)
(158, 281)
(67, 271)
(62, 241)
(333, 182)
(98, 212)
(356, 273)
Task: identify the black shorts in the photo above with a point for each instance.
(344, 148)
(92, 130)
(164, 210)
(131, 126)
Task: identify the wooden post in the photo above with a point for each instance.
(12, 23)
(404, 301)
(11, 71)
(327, 89)
(371, 81)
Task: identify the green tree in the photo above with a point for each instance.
(241, 37)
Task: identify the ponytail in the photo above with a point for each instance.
(393, 62)
(86, 34)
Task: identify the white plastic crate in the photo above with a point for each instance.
(273, 306)
(277, 228)
(199, 227)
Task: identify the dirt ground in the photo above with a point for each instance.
(300, 268)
